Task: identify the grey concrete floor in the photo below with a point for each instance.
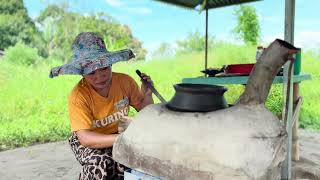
(56, 161)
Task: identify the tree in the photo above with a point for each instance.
(16, 25)
(164, 50)
(248, 28)
(195, 42)
(60, 27)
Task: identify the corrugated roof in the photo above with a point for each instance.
(210, 3)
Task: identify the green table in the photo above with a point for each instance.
(239, 79)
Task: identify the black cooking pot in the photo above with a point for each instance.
(197, 98)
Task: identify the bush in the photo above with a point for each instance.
(22, 54)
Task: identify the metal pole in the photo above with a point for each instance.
(295, 128)
(206, 50)
(288, 92)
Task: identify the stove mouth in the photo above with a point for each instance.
(197, 98)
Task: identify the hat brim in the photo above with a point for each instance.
(86, 65)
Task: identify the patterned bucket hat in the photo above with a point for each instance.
(90, 54)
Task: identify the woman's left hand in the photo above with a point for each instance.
(124, 122)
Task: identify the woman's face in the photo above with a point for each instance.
(100, 78)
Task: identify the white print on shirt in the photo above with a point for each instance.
(122, 103)
(111, 118)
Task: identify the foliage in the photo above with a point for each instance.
(247, 28)
(194, 42)
(11, 6)
(22, 54)
(60, 27)
(16, 25)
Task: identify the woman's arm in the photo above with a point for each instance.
(96, 140)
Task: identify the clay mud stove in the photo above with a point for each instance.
(177, 140)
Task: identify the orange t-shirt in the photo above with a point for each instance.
(89, 110)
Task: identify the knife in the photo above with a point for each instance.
(153, 89)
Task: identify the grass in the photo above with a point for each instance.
(34, 110)
(310, 90)
(33, 107)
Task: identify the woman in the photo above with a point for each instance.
(98, 102)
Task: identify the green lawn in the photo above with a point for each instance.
(33, 107)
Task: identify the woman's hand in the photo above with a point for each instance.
(124, 122)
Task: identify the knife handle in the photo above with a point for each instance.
(139, 73)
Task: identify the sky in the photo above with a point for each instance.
(153, 22)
